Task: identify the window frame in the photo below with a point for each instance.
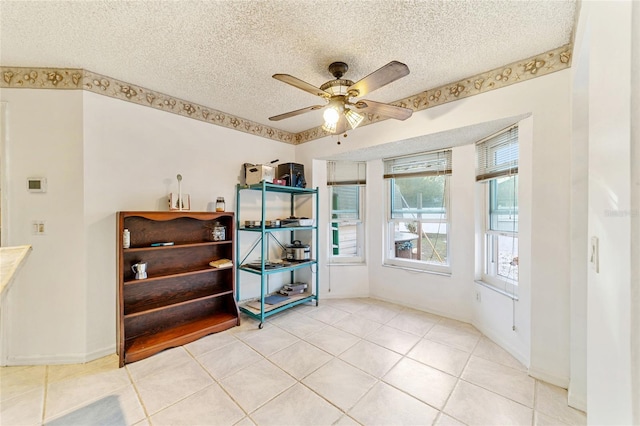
(489, 168)
(360, 257)
(390, 259)
(489, 270)
(347, 174)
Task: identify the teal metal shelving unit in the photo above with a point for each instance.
(265, 234)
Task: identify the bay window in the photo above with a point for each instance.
(497, 169)
(346, 183)
(417, 219)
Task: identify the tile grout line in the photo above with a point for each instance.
(494, 392)
(135, 389)
(334, 357)
(216, 381)
(377, 379)
(535, 398)
(405, 356)
(45, 393)
(458, 379)
(297, 381)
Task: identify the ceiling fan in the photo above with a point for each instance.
(340, 108)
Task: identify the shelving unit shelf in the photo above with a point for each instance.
(183, 298)
(257, 308)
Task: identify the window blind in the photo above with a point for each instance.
(345, 202)
(426, 164)
(346, 173)
(498, 155)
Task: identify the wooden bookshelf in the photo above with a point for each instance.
(183, 298)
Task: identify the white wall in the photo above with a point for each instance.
(579, 229)
(635, 208)
(609, 333)
(46, 306)
(132, 157)
(542, 337)
(100, 155)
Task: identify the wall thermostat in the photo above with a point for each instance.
(37, 184)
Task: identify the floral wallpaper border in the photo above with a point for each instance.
(80, 79)
(536, 66)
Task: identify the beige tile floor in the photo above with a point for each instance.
(346, 362)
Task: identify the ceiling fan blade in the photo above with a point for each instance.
(386, 110)
(296, 82)
(296, 112)
(381, 77)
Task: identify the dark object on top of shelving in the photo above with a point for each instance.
(293, 174)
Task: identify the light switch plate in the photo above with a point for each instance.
(38, 227)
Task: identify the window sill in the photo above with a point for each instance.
(351, 263)
(424, 271)
(497, 290)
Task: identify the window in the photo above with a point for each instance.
(346, 181)
(418, 220)
(497, 168)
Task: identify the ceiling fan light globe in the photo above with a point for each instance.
(331, 116)
(329, 127)
(353, 118)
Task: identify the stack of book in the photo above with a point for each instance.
(293, 289)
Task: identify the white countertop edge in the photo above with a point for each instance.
(11, 260)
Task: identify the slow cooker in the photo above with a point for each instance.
(298, 251)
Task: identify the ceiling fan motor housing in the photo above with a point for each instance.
(338, 69)
(337, 87)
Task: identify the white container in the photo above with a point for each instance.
(126, 239)
(258, 173)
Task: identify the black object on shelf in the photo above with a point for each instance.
(293, 174)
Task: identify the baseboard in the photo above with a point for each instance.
(397, 302)
(551, 378)
(576, 401)
(343, 296)
(99, 353)
(421, 308)
(60, 358)
(504, 344)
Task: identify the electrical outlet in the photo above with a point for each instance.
(478, 297)
(38, 227)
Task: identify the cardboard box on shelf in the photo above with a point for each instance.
(256, 173)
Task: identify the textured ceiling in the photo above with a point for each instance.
(222, 53)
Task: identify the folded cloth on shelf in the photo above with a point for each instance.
(221, 263)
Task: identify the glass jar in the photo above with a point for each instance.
(220, 204)
(218, 232)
